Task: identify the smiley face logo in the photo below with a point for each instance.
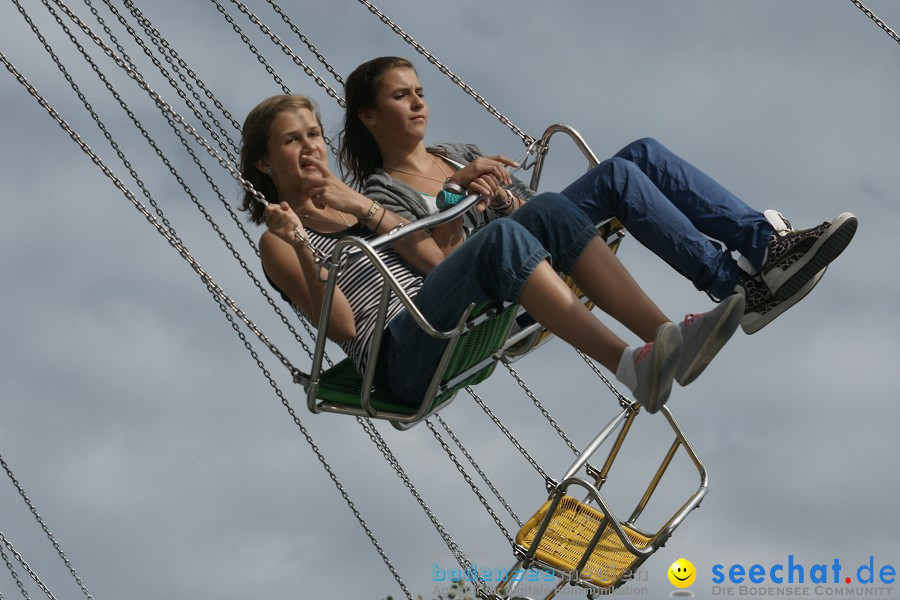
(682, 573)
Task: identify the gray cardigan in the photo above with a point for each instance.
(408, 203)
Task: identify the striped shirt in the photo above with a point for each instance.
(361, 284)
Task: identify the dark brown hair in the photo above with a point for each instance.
(255, 146)
(358, 154)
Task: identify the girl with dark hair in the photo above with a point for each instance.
(665, 202)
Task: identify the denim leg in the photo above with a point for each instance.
(714, 210)
(673, 208)
(492, 265)
(560, 226)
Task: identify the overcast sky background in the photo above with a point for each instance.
(167, 467)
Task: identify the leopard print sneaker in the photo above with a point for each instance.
(761, 306)
(794, 257)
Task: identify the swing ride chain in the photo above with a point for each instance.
(380, 443)
(321, 258)
(541, 407)
(12, 571)
(259, 57)
(28, 569)
(162, 104)
(309, 440)
(161, 42)
(181, 181)
(306, 41)
(526, 139)
(231, 150)
(478, 469)
(96, 117)
(876, 20)
(155, 35)
(44, 527)
(181, 93)
(175, 243)
(623, 401)
(487, 410)
(289, 52)
(475, 490)
(158, 210)
(237, 29)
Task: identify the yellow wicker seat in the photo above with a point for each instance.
(582, 542)
(571, 528)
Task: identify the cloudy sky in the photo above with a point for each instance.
(164, 462)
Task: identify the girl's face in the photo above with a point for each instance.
(400, 110)
(293, 136)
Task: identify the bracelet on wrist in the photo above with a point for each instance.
(371, 213)
(505, 207)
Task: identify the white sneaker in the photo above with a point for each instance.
(655, 365)
(705, 334)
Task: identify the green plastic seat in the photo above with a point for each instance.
(473, 360)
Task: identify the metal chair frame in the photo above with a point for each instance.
(572, 574)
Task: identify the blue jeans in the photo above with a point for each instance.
(492, 265)
(674, 209)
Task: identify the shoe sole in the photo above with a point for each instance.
(724, 328)
(825, 250)
(665, 363)
(751, 324)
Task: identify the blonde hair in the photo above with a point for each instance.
(255, 144)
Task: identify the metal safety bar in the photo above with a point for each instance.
(355, 248)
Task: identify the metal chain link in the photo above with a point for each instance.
(178, 246)
(478, 469)
(44, 527)
(289, 52)
(12, 571)
(167, 110)
(248, 271)
(306, 41)
(25, 566)
(507, 433)
(164, 72)
(541, 407)
(259, 57)
(162, 104)
(315, 449)
(623, 401)
(165, 160)
(876, 20)
(161, 42)
(526, 139)
(136, 13)
(321, 258)
(382, 446)
(472, 485)
(231, 150)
